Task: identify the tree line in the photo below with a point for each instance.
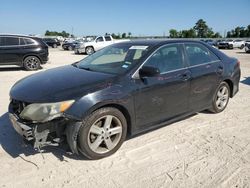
(55, 33)
(200, 30)
(239, 32)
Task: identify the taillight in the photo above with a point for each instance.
(238, 63)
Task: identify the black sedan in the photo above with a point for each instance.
(247, 47)
(122, 90)
(52, 42)
(70, 45)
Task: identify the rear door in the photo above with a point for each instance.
(108, 40)
(206, 70)
(1, 50)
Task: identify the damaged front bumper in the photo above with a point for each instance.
(47, 134)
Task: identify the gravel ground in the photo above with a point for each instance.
(204, 150)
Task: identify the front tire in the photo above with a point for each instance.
(54, 45)
(70, 48)
(230, 46)
(102, 133)
(32, 63)
(221, 98)
(89, 50)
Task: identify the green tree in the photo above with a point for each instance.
(124, 35)
(129, 34)
(209, 33)
(216, 35)
(173, 33)
(201, 28)
(55, 33)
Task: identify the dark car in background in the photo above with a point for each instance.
(247, 46)
(211, 42)
(70, 45)
(52, 42)
(25, 51)
(122, 90)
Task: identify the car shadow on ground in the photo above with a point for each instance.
(4, 69)
(14, 145)
(240, 52)
(246, 81)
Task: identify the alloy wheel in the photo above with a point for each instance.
(222, 97)
(32, 63)
(105, 134)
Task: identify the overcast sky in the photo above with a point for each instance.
(140, 17)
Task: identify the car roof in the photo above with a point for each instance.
(16, 35)
(155, 42)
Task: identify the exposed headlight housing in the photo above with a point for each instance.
(42, 112)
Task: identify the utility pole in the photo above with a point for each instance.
(72, 31)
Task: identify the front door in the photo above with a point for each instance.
(165, 96)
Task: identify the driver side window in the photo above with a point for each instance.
(99, 39)
(167, 58)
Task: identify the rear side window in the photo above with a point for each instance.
(198, 54)
(29, 41)
(21, 40)
(107, 38)
(11, 41)
(1, 41)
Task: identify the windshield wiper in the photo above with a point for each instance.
(74, 64)
(85, 68)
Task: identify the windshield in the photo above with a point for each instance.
(115, 59)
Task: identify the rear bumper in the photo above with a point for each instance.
(44, 57)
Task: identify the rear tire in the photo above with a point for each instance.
(54, 45)
(32, 63)
(242, 46)
(102, 133)
(221, 98)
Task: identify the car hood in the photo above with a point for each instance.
(59, 84)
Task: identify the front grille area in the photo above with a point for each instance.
(18, 106)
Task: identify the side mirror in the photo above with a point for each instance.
(148, 71)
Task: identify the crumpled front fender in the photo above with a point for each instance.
(72, 134)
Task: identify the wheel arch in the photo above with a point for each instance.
(24, 57)
(231, 86)
(90, 46)
(73, 130)
(122, 109)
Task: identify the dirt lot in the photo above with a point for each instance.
(205, 150)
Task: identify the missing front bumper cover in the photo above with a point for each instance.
(39, 135)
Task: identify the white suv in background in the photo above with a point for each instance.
(239, 44)
(231, 44)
